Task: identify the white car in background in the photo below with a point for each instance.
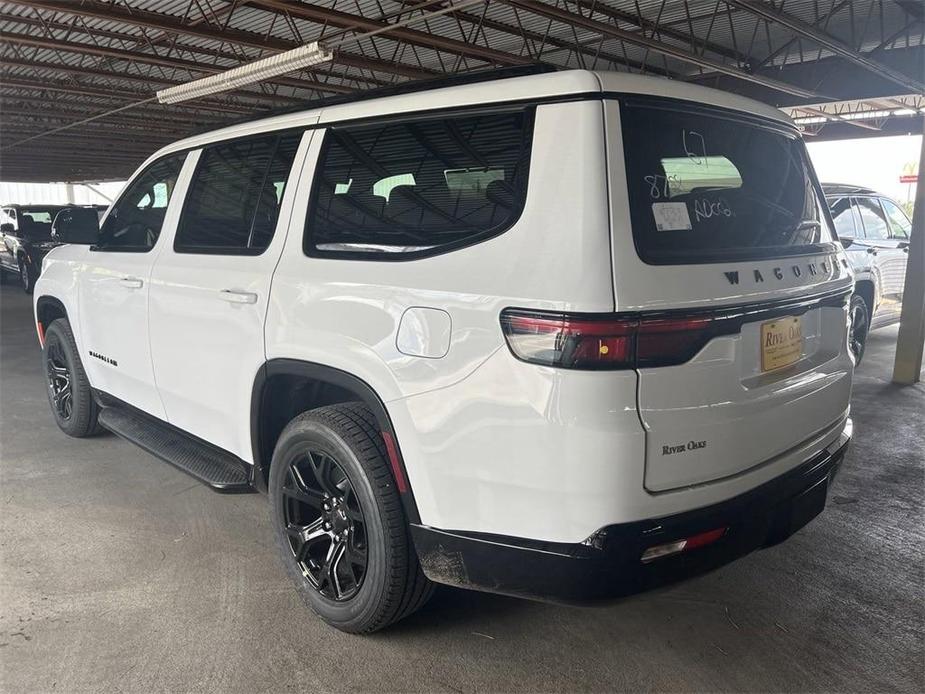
(875, 231)
(566, 335)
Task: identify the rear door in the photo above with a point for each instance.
(211, 285)
(719, 227)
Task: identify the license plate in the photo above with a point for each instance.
(781, 342)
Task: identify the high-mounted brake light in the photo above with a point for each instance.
(604, 342)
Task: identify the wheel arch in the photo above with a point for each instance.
(284, 388)
(47, 309)
(868, 291)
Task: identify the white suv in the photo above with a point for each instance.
(565, 335)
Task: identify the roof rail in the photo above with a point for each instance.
(409, 87)
(846, 189)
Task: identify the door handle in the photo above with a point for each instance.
(131, 282)
(872, 251)
(236, 296)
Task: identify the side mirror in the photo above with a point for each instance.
(846, 241)
(7, 228)
(76, 225)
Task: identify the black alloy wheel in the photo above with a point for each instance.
(860, 326)
(69, 393)
(25, 277)
(59, 381)
(325, 524)
(339, 522)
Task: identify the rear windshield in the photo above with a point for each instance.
(710, 186)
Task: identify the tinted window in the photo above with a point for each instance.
(233, 201)
(135, 221)
(875, 224)
(417, 188)
(705, 186)
(845, 216)
(899, 222)
(35, 222)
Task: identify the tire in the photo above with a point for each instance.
(74, 410)
(25, 276)
(859, 314)
(376, 579)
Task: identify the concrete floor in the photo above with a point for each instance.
(120, 573)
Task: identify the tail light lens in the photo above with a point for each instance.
(604, 342)
(637, 340)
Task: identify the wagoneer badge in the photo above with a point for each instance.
(778, 273)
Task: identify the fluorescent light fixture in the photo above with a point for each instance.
(279, 64)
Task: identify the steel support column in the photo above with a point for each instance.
(907, 369)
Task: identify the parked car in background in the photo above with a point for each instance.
(875, 232)
(25, 231)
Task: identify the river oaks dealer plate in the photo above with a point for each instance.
(781, 342)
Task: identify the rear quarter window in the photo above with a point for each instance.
(407, 189)
(707, 185)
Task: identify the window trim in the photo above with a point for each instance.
(235, 250)
(310, 250)
(738, 255)
(891, 225)
(96, 248)
(886, 219)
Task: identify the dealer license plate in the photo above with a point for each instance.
(781, 342)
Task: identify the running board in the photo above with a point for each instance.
(218, 469)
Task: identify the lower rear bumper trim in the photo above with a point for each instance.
(608, 564)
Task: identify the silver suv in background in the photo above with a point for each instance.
(875, 232)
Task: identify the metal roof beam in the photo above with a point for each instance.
(108, 93)
(567, 17)
(164, 61)
(526, 34)
(798, 26)
(643, 23)
(173, 25)
(175, 45)
(244, 106)
(344, 20)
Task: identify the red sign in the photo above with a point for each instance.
(909, 178)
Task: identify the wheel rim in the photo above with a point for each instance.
(858, 329)
(59, 381)
(325, 525)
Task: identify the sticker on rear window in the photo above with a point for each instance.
(671, 216)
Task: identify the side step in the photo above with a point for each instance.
(220, 470)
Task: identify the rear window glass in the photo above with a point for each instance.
(401, 190)
(706, 186)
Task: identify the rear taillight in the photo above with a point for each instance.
(575, 341)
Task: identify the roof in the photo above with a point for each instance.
(846, 189)
(487, 91)
(65, 61)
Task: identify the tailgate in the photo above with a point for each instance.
(722, 413)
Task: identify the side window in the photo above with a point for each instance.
(899, 222)
(415, 188)
(233, 201)
(843, 215)
(875, 224)
(135, 221)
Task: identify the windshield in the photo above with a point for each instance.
(710, 186)
(35, 222)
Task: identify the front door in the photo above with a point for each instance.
(113, 287)
(210, 286)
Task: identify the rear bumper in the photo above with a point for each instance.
(609, 563)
